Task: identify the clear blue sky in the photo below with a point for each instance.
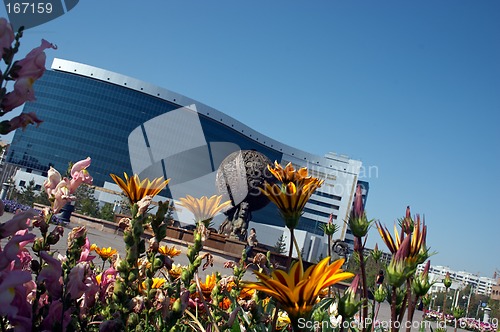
(411, 88)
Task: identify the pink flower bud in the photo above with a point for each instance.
(6, 36)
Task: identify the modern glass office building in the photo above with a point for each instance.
(127, 125)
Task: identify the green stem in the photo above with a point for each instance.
(297, 248)
(2, 324)
(411, 310)
(363, 280)
(275, 317)
(443, 316)
(405, 301)
(393, 308)
(375, 316)
(290, 252)
(329, 260)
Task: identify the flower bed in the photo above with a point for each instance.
(470, 324)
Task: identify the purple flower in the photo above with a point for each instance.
(9, 255)
(51, 274)
(23, 92)
(11, 294)
(107, 278)
(78, 280)
(85, 255)
(33, 65)
(54, 316)
(19, 222)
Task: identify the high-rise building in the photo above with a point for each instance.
(127, 125)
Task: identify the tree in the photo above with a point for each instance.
(27, 194)
(106, 212)
(280, 246)
(86, 202)
(42, 198)
(372, 268)
(169, 216)
(495, 308)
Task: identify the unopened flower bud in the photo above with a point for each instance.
(158, 263)
(38, 245)
(396, 275)
(447, 280)
(376, 253)
(348, 306)
(380, 294)
(359, 226)
(77, 234)
(55, 235)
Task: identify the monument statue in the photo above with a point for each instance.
(238, 179)
(340, 249)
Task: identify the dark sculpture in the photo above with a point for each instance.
(340, 249)
(238, 179)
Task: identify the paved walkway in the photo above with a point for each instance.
(103, 238)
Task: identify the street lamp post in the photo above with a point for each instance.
(468, 301)
(433, 300)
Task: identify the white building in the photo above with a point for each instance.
(460, 279)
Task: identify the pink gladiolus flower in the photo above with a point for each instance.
(79, 280)
(62, 195)
(9, 256)
(89, 297)
(6, 36)
(107, 278)
(9, 280)
(25, 259)
(22, 321)
(21, 121)
(33, 65)
(79, 170)
(85, 255)
(54, 315)
(11, 294)
(23, 244)
(79, 174)
(51, 274)
(23, 92)
(53, 179)
(19, 222)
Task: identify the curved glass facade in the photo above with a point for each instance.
(89, 111)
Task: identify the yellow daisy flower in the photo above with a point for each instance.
(135, 189)
(169, 251)
(293, 193)
(298, 290)
(204, 209)
(105, 253)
